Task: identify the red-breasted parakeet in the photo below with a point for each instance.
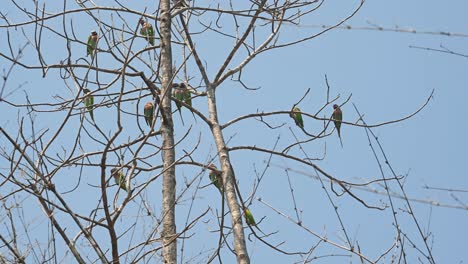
(297, 116)
(187, 95)
(249, 219)
(119, 178)
(216, 177)
(147, 31)
(178, 94)
(149, 113)
(337, 117)
(89, 102)
(92, 43)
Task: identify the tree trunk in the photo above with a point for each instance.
(229, 181)
(167, 130)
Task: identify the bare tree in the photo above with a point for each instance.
(89, 147)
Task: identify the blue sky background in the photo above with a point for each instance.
(387, 79)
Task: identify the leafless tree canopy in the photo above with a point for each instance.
(60, 201)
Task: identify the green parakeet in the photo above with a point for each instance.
(119, 178)
(89, 102)
(297, 116)
(149, 113)
(147, 31)
(187, 95)
(92, 43)
(249, 219)
(216, 177)
(178, 94)
(337, 117)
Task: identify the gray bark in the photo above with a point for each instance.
(167, 131)
(229, 181)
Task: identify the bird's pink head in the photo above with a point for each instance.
(142, 21)
(335, 106)
(212, 167)
(94, 33)
(148, 105)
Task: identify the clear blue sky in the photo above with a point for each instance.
(387, 79)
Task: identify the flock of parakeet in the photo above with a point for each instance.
(217, 180)
(146, 31)
(337, 117)
(180, 91)
(183, 94)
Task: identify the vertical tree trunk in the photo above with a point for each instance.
(229, 181)
(167, 129)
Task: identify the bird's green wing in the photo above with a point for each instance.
(89, 46)
(188, 98)
(142, 31)
(215, 179)
(181, 96)
(150, 31)
(249, 217)
(178, 95)
(151, 35)
(338, 125)
(89, 103)
(122, 182)
(297, 116)
(149, 115)
(299, 119)
(337, 118)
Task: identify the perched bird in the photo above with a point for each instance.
(249, 217)
(119, 178)
(216, 177)
(178, 94)
(337, 117)
(89, 102)
(297, 116)
(92, 43)
(187, 95)
(149, 113)
(147, 31)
